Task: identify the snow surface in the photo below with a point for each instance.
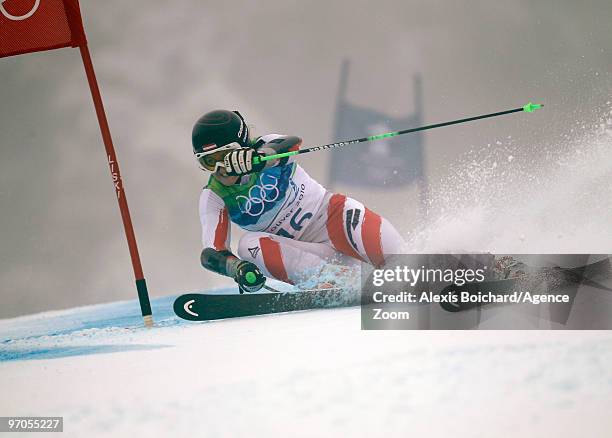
(302, 374)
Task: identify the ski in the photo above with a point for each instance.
(587, 275)
(207, 307)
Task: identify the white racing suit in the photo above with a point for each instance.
(294, 225)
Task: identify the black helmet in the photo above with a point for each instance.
(219, 128)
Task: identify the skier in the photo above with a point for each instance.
(296, 229)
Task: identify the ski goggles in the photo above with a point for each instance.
(213, 159)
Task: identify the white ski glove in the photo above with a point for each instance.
(240, 162)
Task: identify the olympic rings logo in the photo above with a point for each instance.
(255, 203)
(21, 17)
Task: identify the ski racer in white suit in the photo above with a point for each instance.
(295, 227)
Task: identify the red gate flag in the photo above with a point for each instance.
(34, 25)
